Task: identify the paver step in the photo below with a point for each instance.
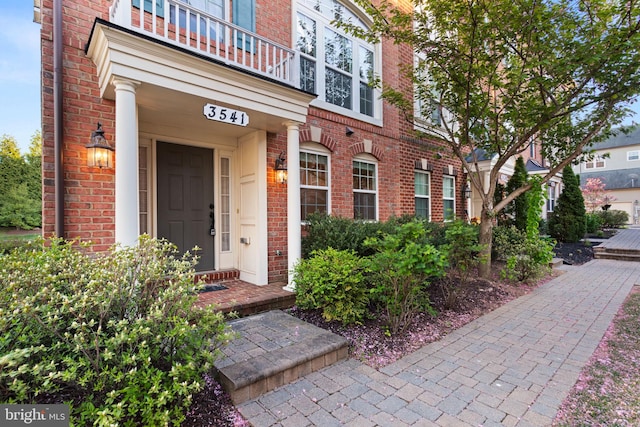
(556, 262)
(274, 349)
(617, 256)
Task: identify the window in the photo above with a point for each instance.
(422, 190)
(335, 65)
(551, 197)
(314, 183)
(596, 163)
(633, 155)
(364, 190)
(449, 197)
(143, 187)
(148, 6)
(225, 204)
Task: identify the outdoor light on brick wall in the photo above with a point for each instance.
(99, 152)
(466, 191)
(281, 169)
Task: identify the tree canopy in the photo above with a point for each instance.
(20, 184)
(508, 73)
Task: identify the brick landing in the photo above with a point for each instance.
(246, 299)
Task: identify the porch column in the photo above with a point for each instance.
(127, 206)
(294, 243)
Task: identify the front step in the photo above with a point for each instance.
(620, 254)
(274, 349)
(217, 276)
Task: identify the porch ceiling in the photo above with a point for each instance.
(174, 85)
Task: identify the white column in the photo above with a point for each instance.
(294, 243)
(127, 205)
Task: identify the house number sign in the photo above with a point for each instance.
(226, 115)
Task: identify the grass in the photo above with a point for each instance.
(19, 236)
(12, 238)
(608, 390)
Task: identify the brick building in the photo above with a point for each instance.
(202, 101)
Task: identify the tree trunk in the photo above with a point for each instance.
(485, 240)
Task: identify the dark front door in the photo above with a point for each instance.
(185, 199)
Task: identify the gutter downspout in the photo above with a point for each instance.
(58, 118)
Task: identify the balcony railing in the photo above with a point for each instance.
(179, 24)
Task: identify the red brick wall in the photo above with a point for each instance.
(88, 192)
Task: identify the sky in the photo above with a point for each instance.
(20, 73)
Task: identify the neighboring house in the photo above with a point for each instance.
(201, 101)
(616, 162)
(535, 165)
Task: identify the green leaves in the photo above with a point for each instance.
(334, 281)
(119, 329)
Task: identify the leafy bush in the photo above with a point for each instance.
(343, 234)
(117, 335)
(462, 250)
(346, 234)
(402, 268)
(593, 222)
(613, 218)
(333, 281)
(525, 258)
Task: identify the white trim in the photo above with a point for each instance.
(368, 159)
(422, 196)
(317, 149)
(444, 213)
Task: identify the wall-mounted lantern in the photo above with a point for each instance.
(99, 152)
(281, 169)
(466, 191)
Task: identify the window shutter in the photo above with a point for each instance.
(147, 6)
(244, 15)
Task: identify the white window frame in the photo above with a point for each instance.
(422, 196)
(633, 155)
(593, 164)
(444, 198)
(367, 159)
(316, 149)
(551, 197)
(305, 7)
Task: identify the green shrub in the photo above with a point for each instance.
(525, 258)
(333, 281)
(117, 334)
(613, 218)
(462, 251)
(402, 268)
(567, 221)
(343, 234)
(593, 222)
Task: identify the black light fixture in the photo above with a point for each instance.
(281, 169)
(99, 152)
(348, 131)
(466, 191)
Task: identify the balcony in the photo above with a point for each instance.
(184, 26)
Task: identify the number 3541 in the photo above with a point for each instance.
(226, 115)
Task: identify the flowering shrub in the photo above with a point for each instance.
(334, 281)
(115, 335)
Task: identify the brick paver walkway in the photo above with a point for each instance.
(513, 366)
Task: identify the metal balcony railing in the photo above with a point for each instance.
(182, 25)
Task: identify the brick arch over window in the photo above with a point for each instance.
(316, 135)
(367, 146)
